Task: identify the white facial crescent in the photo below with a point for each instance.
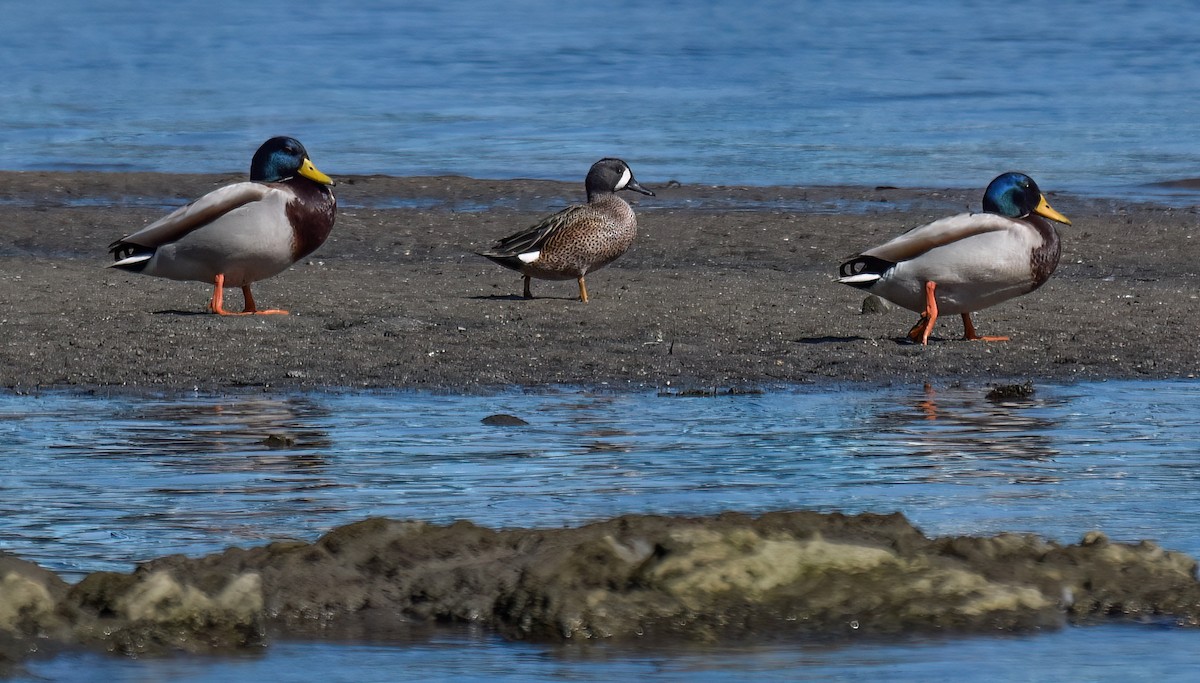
(626, 176)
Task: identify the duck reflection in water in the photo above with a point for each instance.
(230, 435)
(962, 433)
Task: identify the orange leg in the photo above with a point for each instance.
(252, 308)
(528, 293)
(216, 303)
(969, 331)
(924, 325)
(582, 290)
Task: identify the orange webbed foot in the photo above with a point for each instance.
(217, 303)
(920, 331)
(969, 331)
(252, 308)
(914, 335)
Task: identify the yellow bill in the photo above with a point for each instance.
(1043, 209)
(309, 171)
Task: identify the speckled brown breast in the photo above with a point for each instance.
(596, 236)
(1044, 259)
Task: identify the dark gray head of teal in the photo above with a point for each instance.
(611, 175)
(278, 158)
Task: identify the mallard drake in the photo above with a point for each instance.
(241, 233)
(580, 238)
(967, 262)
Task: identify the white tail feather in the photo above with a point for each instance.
(129, 261)
(861, 277)
(529, 257)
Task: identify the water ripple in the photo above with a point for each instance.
(101, 483)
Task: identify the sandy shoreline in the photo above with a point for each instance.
(725, 287)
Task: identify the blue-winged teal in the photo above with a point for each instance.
(241, 233)
(579, 239)
(967, 262)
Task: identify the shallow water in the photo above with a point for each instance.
(1119, 654)
(1086, 95)
(101, 483)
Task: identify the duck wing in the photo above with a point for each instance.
(534, 237)
(925, 238)
(921, 240)
(195, 215)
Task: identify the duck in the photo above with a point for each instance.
(241, 233)
(968, 262)
(581, 238)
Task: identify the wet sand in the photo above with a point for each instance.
(725, 287)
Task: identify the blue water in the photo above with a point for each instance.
(101, 483)
(1101, 654)
(1093, 96)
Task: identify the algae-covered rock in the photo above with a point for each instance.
(29, 596)
(152, 612)
(25, 604)
(728, 577)
(735, 577)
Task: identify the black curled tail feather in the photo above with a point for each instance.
(123, 250)
(863, 271)
(864, 265)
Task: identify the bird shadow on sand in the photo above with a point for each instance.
(518, 297)
(237, 314)
(827, 340)
(900, 341)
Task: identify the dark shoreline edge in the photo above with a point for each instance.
(50, 186)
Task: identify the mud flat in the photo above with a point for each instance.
(726, 286)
